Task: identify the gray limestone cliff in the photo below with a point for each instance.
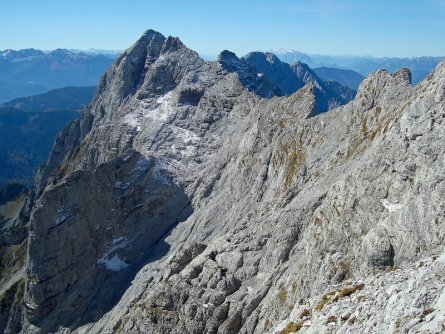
(184, 202)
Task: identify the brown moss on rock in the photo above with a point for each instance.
(292, 327)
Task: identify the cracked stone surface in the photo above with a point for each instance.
(183, 201)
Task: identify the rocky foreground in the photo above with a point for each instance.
(192, 198)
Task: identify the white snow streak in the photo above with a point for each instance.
(114, 264)
(391, 207)
(163, 111)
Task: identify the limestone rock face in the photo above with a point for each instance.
(13, 260)
(182, 201)
(97, 224)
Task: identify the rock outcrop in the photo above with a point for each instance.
(182, 201)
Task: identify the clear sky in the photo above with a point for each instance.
(355, 27)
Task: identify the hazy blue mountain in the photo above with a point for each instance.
(10, 192)
(329, 94)
(347, 78)
(107, 53)
(340, 90)
(68, 98)
(248, 75)
(289, 79)
(276, 71)
(30, 72)
(419, 66)
(29, 126)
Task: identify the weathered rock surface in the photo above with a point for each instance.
(226, 210)
(13, 259)
(408, 300)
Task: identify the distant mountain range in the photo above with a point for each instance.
(30, 72)
(108, 53)
(28, 127)
(419, 66)
(68, 98)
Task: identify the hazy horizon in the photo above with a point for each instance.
(214, 56)
(377, 28)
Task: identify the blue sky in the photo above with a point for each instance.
(355, 27)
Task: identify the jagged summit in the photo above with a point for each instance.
(152, 41)
(278, 72)
(158, 44)
(182, 201)
(227, 56)
(304, 72)
(375, 89)
(290, 79)
(247, 74)
(150, 33)
(269, 56)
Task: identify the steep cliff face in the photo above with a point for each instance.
(225, 210)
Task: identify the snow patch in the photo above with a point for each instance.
(185, 135)
(164, 109)
(114, 264)
(133, 120)
(189, 151)
(30, 306)
(118, 243)
(391, 207)
(121, 185)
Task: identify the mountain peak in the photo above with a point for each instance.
(227, 56)
(262, 56)
(149, 39)
(380, 84)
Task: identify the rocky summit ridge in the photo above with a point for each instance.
(191, 198)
